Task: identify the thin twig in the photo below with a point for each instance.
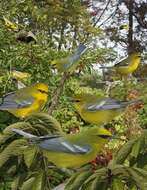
(46, 173)
(58, 92)
(101, 14)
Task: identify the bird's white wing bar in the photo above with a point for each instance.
(61, 145)
(106, 104)
(55, 143)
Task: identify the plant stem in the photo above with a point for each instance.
(58, 91)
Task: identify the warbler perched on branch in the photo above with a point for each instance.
(69, 63)
(127, 65)
(99, 110)
(70, 150)
(25, 101)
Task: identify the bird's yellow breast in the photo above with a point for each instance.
(125, 70)
(24, 112)
(100, 117)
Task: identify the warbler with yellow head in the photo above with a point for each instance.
(99, 110)
(127, 65)
(25, 101)
(70, 150)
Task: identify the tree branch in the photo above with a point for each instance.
(58, 91)
(101, 14)
(130, 33)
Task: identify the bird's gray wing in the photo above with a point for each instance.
(10, 101)
(123, 62)
(59, 144)
(105, 104)
(75, 56)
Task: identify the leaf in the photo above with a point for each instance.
(15, 183)
(29, 155)
(46, 120)
(102, 173)
(119, 169)
(141, 161)
(8, 133)
(41, 129)
(16, 148)
(28, 184)
(99, 183)
(78, 181)
(117, 184)
(123, 153)
(39, 182)
(142, 172)
(12, 169)
(137, 178)
(71, 180)
(137, 147)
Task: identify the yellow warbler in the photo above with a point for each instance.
(70, 150)
(69, 63)
(99, 110)
(127, 65)
(25, 101)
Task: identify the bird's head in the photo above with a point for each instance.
(98, 135)
(136, 55)
(41, 88)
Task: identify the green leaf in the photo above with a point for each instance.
(71, 180)
(99, 183)
(15, 183)
(137, 147)
(117, 184)
(39, 182)
(123, 153)
(8, 133)
(47, 121)
(137, 178)
(79, 180)
(28, 184)
(142, 172)
(16, 148)
(29, 155)
(102, 173)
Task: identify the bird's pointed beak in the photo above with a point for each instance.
(71, 99)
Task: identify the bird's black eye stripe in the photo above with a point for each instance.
(104, 136)
(42, 91)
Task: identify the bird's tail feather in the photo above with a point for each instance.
(81, 49)
(132, 102)
(25, 134)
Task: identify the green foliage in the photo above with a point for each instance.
(59, 26)
(121, 172)
(23, 160)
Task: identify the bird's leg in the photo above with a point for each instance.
(108, 87)
(111, 85)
